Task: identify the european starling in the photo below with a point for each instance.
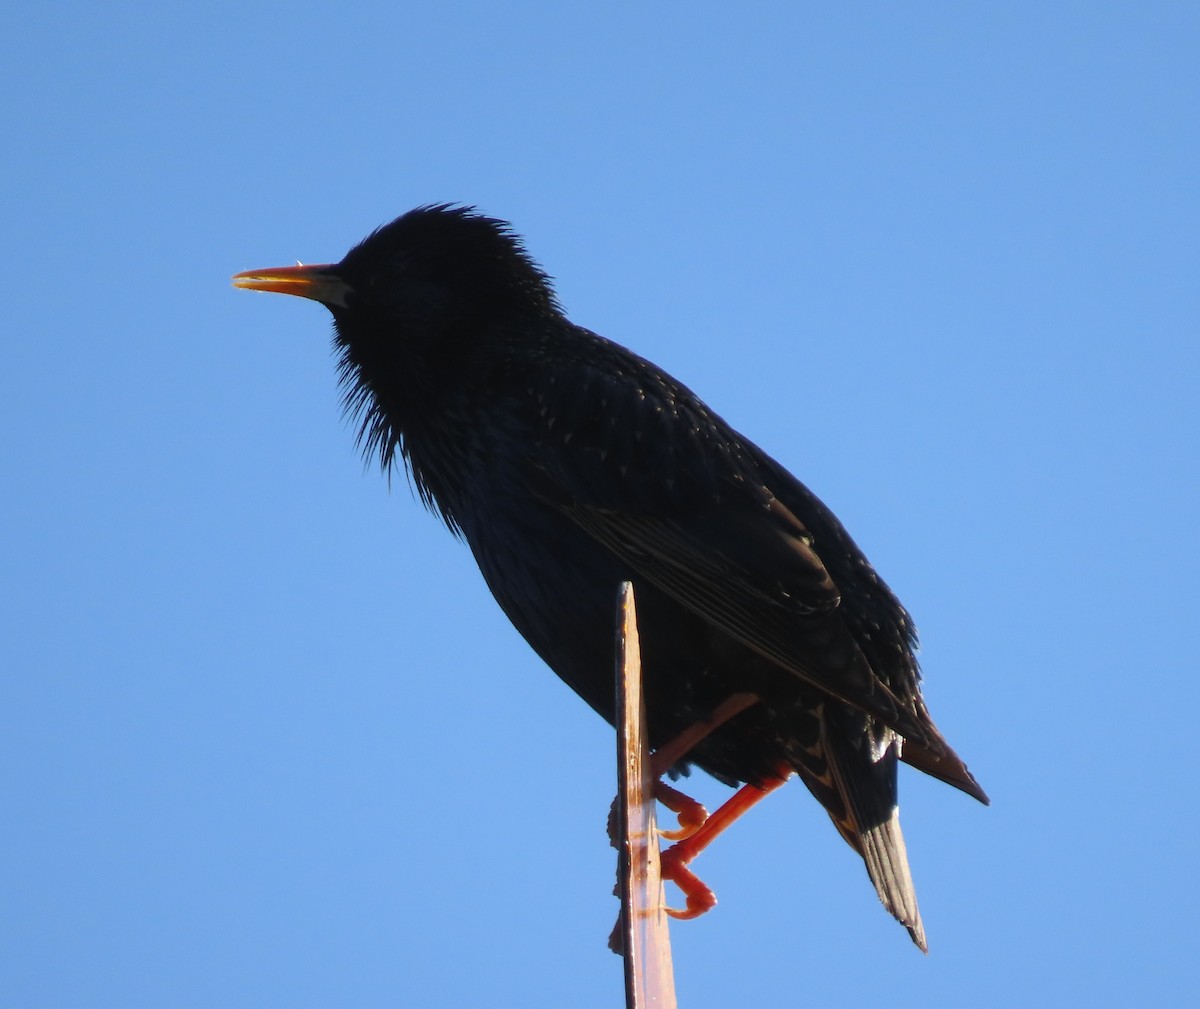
(569, 464)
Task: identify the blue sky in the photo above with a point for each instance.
(266, 741)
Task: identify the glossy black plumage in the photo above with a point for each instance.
(569, 464)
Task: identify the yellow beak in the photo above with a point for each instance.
(320, 283)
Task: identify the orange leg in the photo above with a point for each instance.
(675, 859)
(688, 811)
(668, 755)
(697, 830)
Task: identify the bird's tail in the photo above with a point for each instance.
(881, 843)
(858, 790)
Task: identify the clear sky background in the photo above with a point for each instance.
(265, 739)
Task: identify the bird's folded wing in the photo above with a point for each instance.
(687, 504)
(752, 573)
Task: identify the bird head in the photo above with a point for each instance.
(432, 273)
(419, 307)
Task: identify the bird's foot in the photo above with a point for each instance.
(690, 814)
(699, 896)
(675, 859)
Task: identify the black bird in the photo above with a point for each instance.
(569, 464)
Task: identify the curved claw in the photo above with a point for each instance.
(690, 814)
(700, 898)
(686, 828)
